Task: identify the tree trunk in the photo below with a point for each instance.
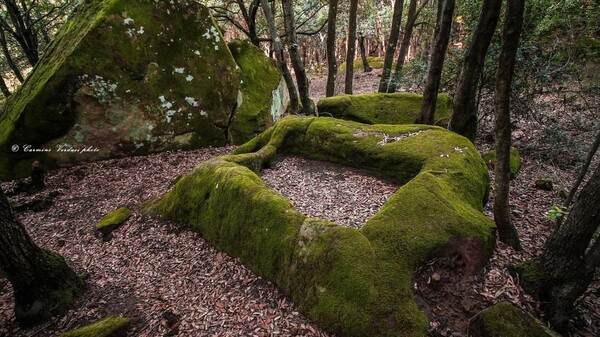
(363, 55)
(351, 47)
(464, 113)
(583, 171)
(331, 46)
(9, 60)
(565, 267)
(43, 283)
(281, 62)
(293, 49)
(23, 31)
(391, 46)
(434, 75)
(506, 64)
(4, 88)
(413, 13)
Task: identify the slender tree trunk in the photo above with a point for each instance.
(331, 46)
(464, 114)
(391, 46)
(566, 267)
(278, 50)
(583, 171)
(363, 55)
(442, 37)
(4, 88)
(506, 64)
(405, 44)
(23, 31)
(351, 47)
(293, 49)
(43, 283)
(9, 60)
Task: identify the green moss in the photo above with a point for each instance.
(128, 77)
(108, 327)
(374, 61)
(506, 320)
(377, 108)
(352, 282)
(515, 160)
(531, 276)
(260, 79)
(113, 219)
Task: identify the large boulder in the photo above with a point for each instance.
(377, 108)
(122, 77)
(263, 95)
(353, 282)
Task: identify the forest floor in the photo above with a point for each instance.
(172, 283)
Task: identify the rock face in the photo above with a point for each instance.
(263, 96)
(353, 282)
(377, 108)
(128, 77)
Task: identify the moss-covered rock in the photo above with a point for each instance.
(353, 282)
(113, 219)
(375, 62)
(544, 184)
(108, 327)
(263, 95)
(515, 160)
(377, 108)
(506, 320)
(122, 77)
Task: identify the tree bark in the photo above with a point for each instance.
(413, 13)
(293, 49)
(583, 171)
(4, 88)
(434, 75)
(331, 46)
(464, 113)
(510, 43)
(278, 50)
(391, 46)
(44, 285)
(568, 270)
(351, 47)
(9, 60)
(363, 55)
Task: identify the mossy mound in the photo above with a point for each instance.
(353, 282)
(374, 61)
(263, 97)
(122, 77)
(113, 219)
(108, 327)
(515, 160)
(506, 320)
(377, 108)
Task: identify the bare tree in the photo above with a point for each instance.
(351, 46)
(513, 22)
(442, 37)
(464, 113)
(294, 51)
(279, 55)
(391, 45)
(331, 45)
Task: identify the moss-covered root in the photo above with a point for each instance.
(108, 327)
(515, 160)
(506, 320)
(113, 219)
(377, 108)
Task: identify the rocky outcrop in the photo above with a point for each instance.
(131, 77)
(354, 282)
(377, 108)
